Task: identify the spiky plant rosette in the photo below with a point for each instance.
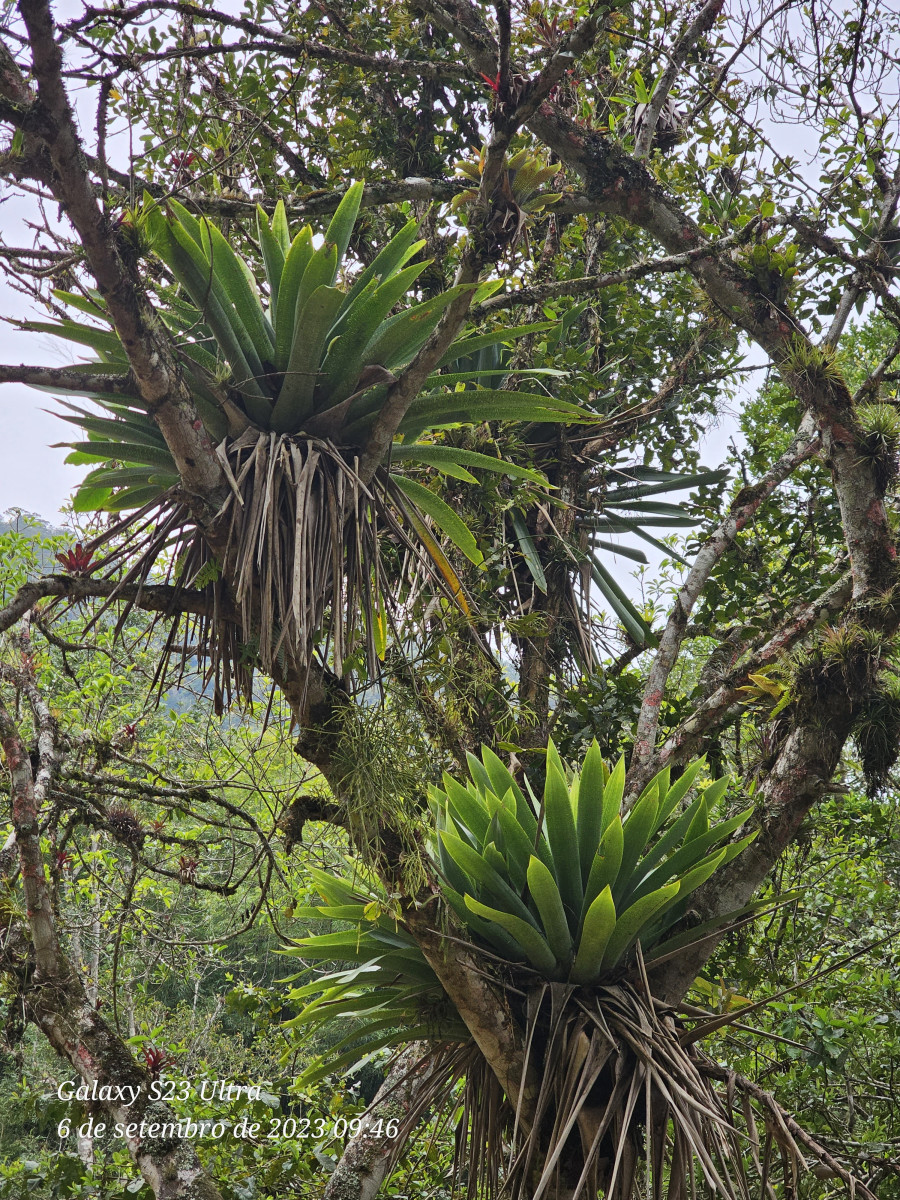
(564, 895)
(517, 197)
(876, 731)
(290, 391)
(880, 442)
(623, 502)
(568, 884)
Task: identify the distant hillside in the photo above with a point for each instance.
(180, 698)
(17, 520)
(25, 522)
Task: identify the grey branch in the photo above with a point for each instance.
(746, 504)
(60, 379)
(153, 598)
(649, 118)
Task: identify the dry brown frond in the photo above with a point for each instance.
(303, 550)
(625, 1110)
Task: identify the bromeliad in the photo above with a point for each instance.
(554, 894)
(290, 390)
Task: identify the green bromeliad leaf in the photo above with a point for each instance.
(314, 359)
(443, 516)
(446, 457)
(590, 871)
(511, 870)
(391, 993)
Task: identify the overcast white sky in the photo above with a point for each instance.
(33, 475)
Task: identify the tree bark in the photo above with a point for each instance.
(743, 509)
(56, 1002)
(369, 1157)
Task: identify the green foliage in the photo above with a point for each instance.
(564, 888)
(251, 1136)
(828, 1048)
(318, 363)
(389, 997)
(159, 947)
(603, 707)
(384, 763)
(792, 550)
(569, 884)
(654, 363)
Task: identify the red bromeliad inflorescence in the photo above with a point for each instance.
(76, 561)
(155, 1059)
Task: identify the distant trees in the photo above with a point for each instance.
(344, 492)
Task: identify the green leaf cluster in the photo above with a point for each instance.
(389, 996)
(566, 884)
(569, 883)
(316, 361)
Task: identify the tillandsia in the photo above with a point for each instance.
(554, 892)
(518, 195)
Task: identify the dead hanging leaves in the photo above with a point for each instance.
(303, 546)
(624, 1106)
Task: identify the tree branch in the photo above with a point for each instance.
(144, 339)
(263, 38)
(26, 825)
(710, 712)
(871, 257)
(61, 379)
(464, 22)
(780, 1116)
(39, 254)
(744, 507)
(701, 24)
(480, 1002)
(161, 598)
(55, 1000)
(509, 114)
(368, 1158)
(585, 285)
(630, 191)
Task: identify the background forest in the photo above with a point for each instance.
(452, 742)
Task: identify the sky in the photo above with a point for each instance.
(33, 475)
